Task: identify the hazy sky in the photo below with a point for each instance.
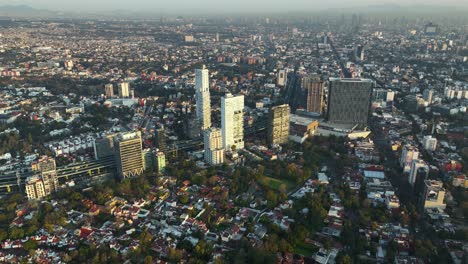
(214, 5)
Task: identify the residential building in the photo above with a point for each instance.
(202, 93)
(281, 78)
(301, 128)
(47, 169)
(429, 143)
(278, 126)
(109, 90)
(214, 151)
(232, 121)
(427, 95)
(124, 90)
(349, 100)
(128, 154)
(160, 162)
(35, 188)
(434, 194)
(314, 91)
(408, 154)
(160, 137)
(417, 167)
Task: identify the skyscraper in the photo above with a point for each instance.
(128, 154)
(124, 89)
(416, 166)
(214, 152)
(202, 92)
(232, 121)
(278, 127)
(313, 87)
(109, 90)
(349, 100)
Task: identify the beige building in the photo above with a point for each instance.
(214, 151)
(434, 194)
(278, 127)
(109, 90)
(124, 90)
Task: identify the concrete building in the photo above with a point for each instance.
(349, 101)
(429, 143)
(408, 154)
(128, 154)
(34, 187)
(282, 78)
(434, 194)
(214, 151)
(124, 90)
(160, 137)
(417, 167)
(232, 121)
(109, 90)
(313, 87)
(104, 146)
(47, 169)
(278, 125)
(160, 162)
(202, 93)
(427, 95)
(301, 128)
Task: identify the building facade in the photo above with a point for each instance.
(429, 143)
(417, 167)
(282, 78)
(314, 91)
(232, 121)
(349, 100)
(278, 125)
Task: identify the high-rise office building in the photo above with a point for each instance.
(408, 154)
(349, 100)
(202, 93)
(160, 162)
(128, 154)
(278, 126)
(232, 121)
(214, 151)
(282, 78)
(160, 137)
(313, 87)
(109, 90)
(417, 166)
(124, 89)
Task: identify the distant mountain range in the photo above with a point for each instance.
(25, 11)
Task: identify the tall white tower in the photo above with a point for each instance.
(202, 92)
(232, 121)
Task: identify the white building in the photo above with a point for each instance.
(202, 91)
(124, 90)
(214, 151)
(408, 154)
(429, 143)
(415, 166)
(282, 78)
(35, 188)
(232, 121)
